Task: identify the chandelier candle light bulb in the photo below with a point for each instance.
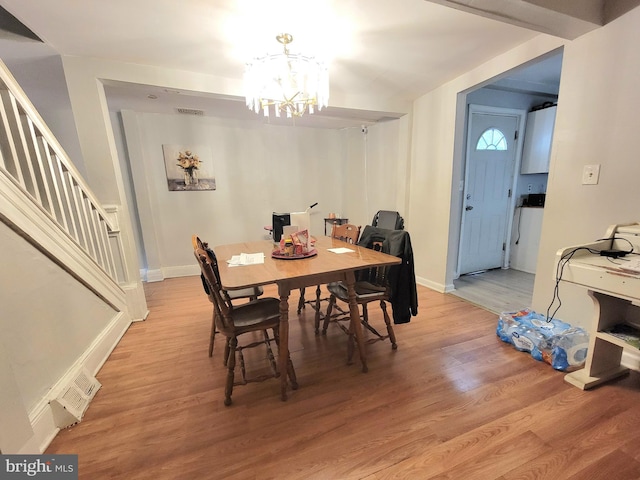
(291, 83)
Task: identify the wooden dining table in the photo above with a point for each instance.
(293, 274)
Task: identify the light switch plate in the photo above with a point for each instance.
(590, 174)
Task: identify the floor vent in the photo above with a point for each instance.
(190, 111)
(69, 407)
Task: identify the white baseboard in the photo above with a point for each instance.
(181, 271)
(93, 358)
(159, 275)
(438, 287)
(153, 275)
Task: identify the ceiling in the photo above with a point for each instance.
(379, 52)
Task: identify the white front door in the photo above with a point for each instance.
(491, 158)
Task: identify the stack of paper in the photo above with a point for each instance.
(246, 259)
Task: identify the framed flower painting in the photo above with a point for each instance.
(189, 167)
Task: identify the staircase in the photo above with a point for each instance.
(45, 201)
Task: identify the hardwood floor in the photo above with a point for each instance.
(453, 402)
(497, 290)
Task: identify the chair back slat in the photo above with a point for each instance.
(374, 275)
(346, 232)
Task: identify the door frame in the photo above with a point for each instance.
(521, 116)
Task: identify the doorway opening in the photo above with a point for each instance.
(497, 249)
(493, 152)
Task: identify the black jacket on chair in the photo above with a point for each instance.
(400, 278)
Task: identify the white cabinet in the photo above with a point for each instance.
(537, 141)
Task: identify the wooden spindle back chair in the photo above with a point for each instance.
(371, 286)
(347, 233)
(260, 316)
(244, 294)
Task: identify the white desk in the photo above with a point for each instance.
(616, 300)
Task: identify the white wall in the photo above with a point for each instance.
(42, 79)
(44, 329)
(50, 324)
(85, 77)
(596, 124)
(125, 168)
(258, 169)
(376, 175)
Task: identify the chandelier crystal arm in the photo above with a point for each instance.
(290, 83)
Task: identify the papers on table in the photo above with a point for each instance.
(246, 259)
(340, 250)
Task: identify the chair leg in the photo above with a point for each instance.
(390, 333)
(327, 317)
(292, 374)
(301, 301)
(317, 308)
(272, 359)
(227, 352)
(213, 335)
(351, 344)
(233, 343)
(387, 321)
(290, 370)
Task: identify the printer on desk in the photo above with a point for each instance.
(615, 291)
(624, 239)
(591, 264)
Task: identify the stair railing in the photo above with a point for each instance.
(33, 161)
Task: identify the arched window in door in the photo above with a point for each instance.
(492, 139)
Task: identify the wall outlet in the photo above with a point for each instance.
(529, 188)
(590, 174)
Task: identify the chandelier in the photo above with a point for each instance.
(290, 83)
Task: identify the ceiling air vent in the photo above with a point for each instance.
(190, 111)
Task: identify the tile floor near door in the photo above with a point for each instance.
(496, 290)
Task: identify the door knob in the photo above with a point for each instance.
(469, 207)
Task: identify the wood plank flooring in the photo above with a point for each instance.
(452, 402)
(497, 290)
